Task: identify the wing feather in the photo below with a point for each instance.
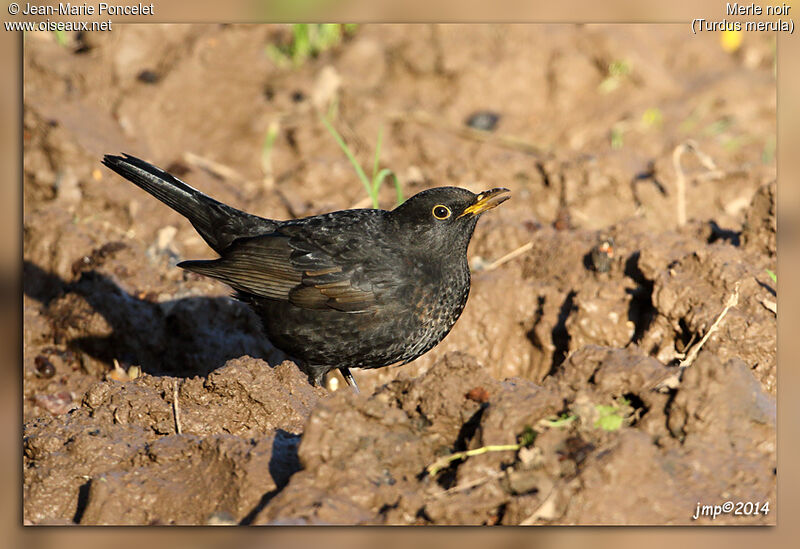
(271, 266)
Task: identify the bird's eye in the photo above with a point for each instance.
(441, 212)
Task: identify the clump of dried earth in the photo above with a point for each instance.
(150, 396)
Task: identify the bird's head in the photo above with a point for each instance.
(445, 217)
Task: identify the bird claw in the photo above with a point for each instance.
(348, 377)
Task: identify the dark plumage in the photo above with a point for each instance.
(347, 289)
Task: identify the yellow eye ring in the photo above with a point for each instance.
(441, 212)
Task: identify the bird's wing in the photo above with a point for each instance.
(286, 268)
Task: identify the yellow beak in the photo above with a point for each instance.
(487, 200)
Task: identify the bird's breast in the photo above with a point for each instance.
(433, 302)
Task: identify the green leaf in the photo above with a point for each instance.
(652, 118)
(61, 37)
(610, 418)
(373, 186)
(359, 170)
(609, 423)
(565, 419)
(768, 154)
(527, 437)
(383, 174)
(377, 153)
(616, 138)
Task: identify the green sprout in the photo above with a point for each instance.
(772, 275)
(718, 126)
(266, 149)
(308, 40)
(372, 185)
(688, 124)
(612, 417)
(525, 439)
(61, 37)
(617, 72)
(561, 421)
(733, 144)
(768, 154)
(652, 118)
(617, 140)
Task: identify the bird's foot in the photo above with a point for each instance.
(348, 377)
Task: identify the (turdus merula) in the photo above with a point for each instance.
(347, 289)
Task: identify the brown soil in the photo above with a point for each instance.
(579, 351)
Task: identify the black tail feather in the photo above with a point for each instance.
(218, 223)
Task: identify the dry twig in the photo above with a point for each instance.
(467, 485)
(545, 510)
(691, 355)
(680, 177)
(509, 256)
(213, 167)
(175, 407)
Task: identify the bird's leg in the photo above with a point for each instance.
(316, 375)
(348, 377)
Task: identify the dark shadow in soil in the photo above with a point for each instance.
(648, 175)
(185, 337)
(83, 499)
(638, 405)
(767, 287)
(282, 465)
(587, 261)
(685, 338)
(560, 334)
(641, 310)
(718, 233)
(447, 477)
(41, 285)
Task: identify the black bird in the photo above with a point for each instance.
(348, 289)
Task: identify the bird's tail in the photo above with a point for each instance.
(218, 223)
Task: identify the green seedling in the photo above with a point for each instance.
(372, 185)
(718, 126)
(561, 421)
(612, 417)
(733, 144)
(689, 124)
(266, 149)
(652, 118)
(768, 154)
(617, 138)
(527, 438)
(61, 37)
(772, 275)
(618, 71)
(308, 40)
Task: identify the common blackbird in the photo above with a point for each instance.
(348, 289)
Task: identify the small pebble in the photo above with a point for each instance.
(483, 120)
(563, 220)
(178, 168)
(148, 76)
(44, 368)
(57, 404)
(478, 394)
(221, 518)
